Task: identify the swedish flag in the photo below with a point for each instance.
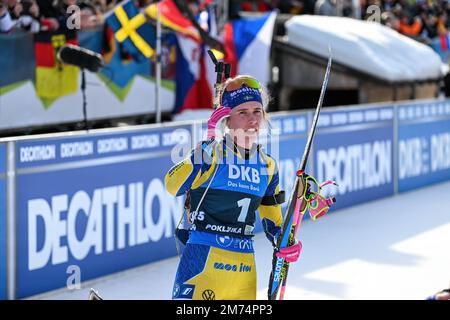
(132, 30)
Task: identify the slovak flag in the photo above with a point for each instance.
(247, 43)
(193, 90)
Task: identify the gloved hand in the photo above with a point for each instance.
(215, 117)
(290, 254)
(321, 206)
(271, 230)
(318, 204)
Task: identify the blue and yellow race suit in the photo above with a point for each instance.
(218, 261)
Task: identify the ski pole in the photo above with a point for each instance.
(296, 205)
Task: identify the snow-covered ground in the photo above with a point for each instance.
(395, 248)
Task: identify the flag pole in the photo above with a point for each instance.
(158, 64)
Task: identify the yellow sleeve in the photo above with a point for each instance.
(272, 213)
(192, 171)
(178, 178)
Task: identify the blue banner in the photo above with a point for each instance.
(92, 205)
(290, 130)
(354, 147)
(17, 60)
(2, 221)
(423, 144)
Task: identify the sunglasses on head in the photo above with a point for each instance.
(240, 82)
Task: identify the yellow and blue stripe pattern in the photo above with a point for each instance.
(234, 195)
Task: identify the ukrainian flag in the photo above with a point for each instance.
(132, 30)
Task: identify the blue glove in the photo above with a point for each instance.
(271, 230)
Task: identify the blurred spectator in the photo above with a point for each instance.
(290, 6)
(424, 20)
(308, 6)
(325, 8)
(347, 9)
(6, 23)
(89, 15)
(46, 8)
(103, 6)
(410, 26)
(256, 5)
(234, 6)
(194, 6)
(429, 25)
(390, 20)
(143, 3)
(21, 15)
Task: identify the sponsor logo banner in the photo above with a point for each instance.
(101, 146)
(423, 144)
(91, 206)
(355, 147)
(290, 131)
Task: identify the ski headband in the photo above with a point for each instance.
(232, 99)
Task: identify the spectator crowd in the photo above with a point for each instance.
(421, 19)
(50, 15)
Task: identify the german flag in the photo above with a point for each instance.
(110, 46)
(53, 78)
(173, 18)
(176, 15)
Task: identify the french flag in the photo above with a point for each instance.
(247, 43)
